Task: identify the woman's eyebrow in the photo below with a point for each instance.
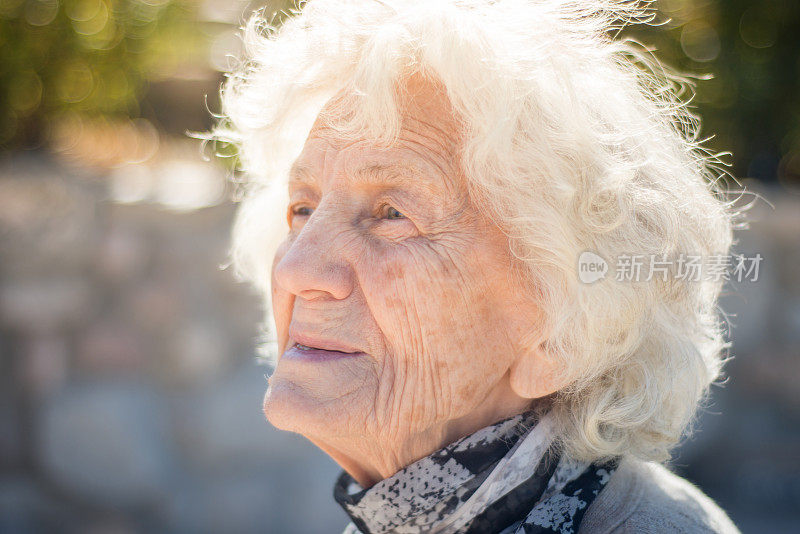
(394, 174)
(301, 174)
(397, 174)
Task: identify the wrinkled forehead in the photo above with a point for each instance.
(428, 137)
(418, 99)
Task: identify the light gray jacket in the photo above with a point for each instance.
(645, 497)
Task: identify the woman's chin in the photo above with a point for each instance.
(305, 410)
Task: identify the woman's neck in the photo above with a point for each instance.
(370, 459)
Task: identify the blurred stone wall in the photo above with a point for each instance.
(131, 397)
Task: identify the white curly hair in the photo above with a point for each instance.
(574, 140)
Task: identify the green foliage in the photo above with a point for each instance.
(91, 57)
(751, 103)
(95, 57)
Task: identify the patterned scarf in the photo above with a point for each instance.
(506, 478)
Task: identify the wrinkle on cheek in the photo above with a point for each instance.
(400, 366)
(448, 291)
(388, 404)
(352, 246)
(414, 310)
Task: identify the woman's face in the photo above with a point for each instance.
(390, 268)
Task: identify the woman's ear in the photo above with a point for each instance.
(534, 374)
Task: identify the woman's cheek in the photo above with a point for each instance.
(402, 286)
(386, 277)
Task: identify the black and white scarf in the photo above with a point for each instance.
(506, 478)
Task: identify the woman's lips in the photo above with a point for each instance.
(311, 354)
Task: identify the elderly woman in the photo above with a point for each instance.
(438, 173)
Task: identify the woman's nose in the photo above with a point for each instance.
(314, 265)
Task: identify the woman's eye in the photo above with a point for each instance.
(302, 211)
(392, 213)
